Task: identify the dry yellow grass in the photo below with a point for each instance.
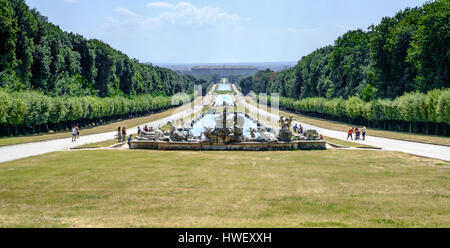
(128, 188)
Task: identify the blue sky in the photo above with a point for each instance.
(217, 31)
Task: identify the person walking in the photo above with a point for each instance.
(295, 128)
(119, 135)
(364, 133)
(357, 134)
(74, 134)
(78, 131)
(139, 131)
(124, 134)
(129, 140)
(350, 133)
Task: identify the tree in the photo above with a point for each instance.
(27, 27)
(8, 36)
(430, 48)
(126, 76)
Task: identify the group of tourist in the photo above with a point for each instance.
(298, 129)
(75, 133)
(360, 134)
(122, 135)
(357, 133)
(146, 129)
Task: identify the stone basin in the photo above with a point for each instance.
(241, 146)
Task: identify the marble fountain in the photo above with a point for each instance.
(228, 130)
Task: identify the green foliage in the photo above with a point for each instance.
(429, 49)
(412, 107)
(389, 43)
(35, 54)
(405, 53)
(30, 108)
(349, 60)
(8, 35)
(5, 105)
(443, 107)
(27, 28)
(368, 93)
(354, 107)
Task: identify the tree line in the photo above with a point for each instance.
(413, 112)
(36, 54)
(405, 53)
(50, 79)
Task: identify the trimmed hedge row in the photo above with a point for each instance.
(413, 108)
(31, 108)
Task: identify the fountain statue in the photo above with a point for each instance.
(223, 134)
(175, 134)
(229, 134)
(265, 136)
(285, 133)
(252, 133)
(312, 134)
(158, 134)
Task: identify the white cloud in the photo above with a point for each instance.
(126, 12)
(112, 20)
(160, 5)
(164, 14)
(185, 13)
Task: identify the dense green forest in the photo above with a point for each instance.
(403, 54)
(35, 54)
(43, 65)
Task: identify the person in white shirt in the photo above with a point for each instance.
(74, 134)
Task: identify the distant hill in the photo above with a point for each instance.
(274, 66)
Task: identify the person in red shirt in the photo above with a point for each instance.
(350, 134)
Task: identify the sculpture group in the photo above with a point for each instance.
(223, 134)
(285, 133)
(232, 131)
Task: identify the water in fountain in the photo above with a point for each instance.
(209, 120)
(220, 99)
(224, 87)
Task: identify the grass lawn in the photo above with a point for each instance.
(88, 131)
(102, 144)
(347, 143)
(129, 188)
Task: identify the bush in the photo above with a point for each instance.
(31, 108)
(5, 105)
(443, 107)
(433, 107)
